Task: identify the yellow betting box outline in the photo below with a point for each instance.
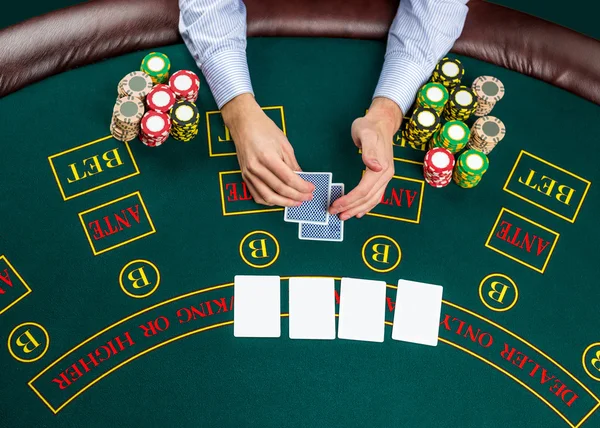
(62, 192)
(408, 161)
(388, 323)
(210, 148)
(120, 244)
(587, 187)
(487, 243)
(27, 288)
(224, 210)
(408, 220)
(400, 159)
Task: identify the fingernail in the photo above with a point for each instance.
(297, 204)
(359, 215)
(333, 211)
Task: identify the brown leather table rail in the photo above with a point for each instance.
(86, 33)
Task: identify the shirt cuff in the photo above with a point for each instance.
(400, 80)
(227, 75)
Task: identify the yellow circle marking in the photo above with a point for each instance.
(506, 278)
(389, 239)
(255, 233)
(39, 356)
(139, 296)
(583, 361)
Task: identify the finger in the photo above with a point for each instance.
(271, 198)
(291, 162)
(361, 210)
(370, 200)
(289, 157)
(364, 189)
(289, 177)
(279, 187)
(255, 195)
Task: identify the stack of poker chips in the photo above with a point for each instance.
(185, 85)
(157, 66)
(154, 128)
(486, 133)
(161, 98)
(127, 114)
(438, 166)
(433, 95)
(449, 72)
(469, 169)
(453, 136)
(184, 120)
(461, 105)
(489, 90)
(423, 123)
(136, 84)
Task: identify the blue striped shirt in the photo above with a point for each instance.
(423, 31)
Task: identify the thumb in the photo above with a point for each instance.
(370, 155)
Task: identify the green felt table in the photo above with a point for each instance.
(116, 296)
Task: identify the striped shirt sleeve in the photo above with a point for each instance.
(423, 32)
(215, 33)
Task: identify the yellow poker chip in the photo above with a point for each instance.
(184, 113)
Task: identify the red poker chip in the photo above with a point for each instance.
(193, 97)
(150, 142)
(439, 159)
(161, 98)
(437, 174)
(439, 180)
(155, 124)
(184, 83)
(439, 185)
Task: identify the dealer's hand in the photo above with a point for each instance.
(373, 134)
(265, 155)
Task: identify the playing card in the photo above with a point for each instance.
(315, 210)
(257, 306)
(312, 308)
(362, 310)
(417, 312)
(333, 231)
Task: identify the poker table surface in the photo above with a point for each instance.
(117, 260)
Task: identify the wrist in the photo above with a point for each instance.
(386, 113)
(238, 109)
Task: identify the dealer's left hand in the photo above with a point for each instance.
(373, 134)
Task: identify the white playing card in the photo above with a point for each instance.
(257, 306)
(312, 308)
(417, 312)
(314, 211)
(333, 231)
(362, 310)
